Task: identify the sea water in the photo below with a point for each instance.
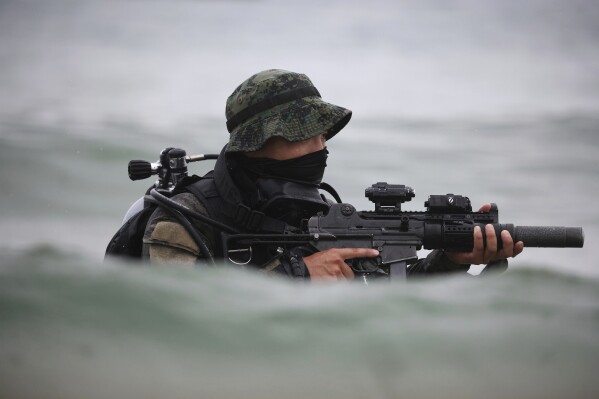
(497, 101)
(74, 328)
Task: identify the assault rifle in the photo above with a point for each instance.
(448, 223)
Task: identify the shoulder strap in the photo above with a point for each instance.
(204, 189)
(237, 214)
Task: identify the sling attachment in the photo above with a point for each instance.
(329, 189)
(247, 250)
(249, 218)
(254, 221)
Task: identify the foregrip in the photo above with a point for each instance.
(549, 236)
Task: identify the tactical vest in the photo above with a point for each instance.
(128, 241)
(247, 220)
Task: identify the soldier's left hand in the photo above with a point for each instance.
(483, 255)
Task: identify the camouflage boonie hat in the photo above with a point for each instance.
(279, 103)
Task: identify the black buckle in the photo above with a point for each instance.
(255, 220)
(248, 218)
(241, 213)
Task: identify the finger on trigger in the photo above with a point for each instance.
(351, 253)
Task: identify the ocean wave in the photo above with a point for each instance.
(72, 327)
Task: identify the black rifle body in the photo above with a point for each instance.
(398, 235)
(447, 224)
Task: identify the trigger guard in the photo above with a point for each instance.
(365, 265)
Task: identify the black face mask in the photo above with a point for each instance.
(307, 169)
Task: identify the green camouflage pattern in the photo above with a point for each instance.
(296, 120)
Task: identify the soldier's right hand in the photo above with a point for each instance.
(330, 264)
